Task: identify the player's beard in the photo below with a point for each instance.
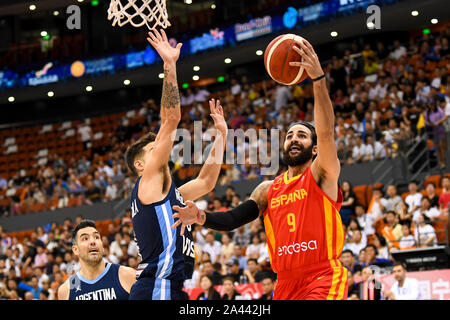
(93, 260)
(303, 157)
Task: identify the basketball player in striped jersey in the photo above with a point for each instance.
(167, 255)
(97, 279)
(300, 207)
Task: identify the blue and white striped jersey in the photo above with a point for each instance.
(165, 254)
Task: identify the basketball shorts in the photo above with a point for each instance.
(322, 281)
(157, 289)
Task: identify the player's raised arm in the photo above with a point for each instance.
(326, 166)
(207, 178)
(170, 102)
(225, 221)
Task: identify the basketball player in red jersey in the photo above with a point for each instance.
(300, 207)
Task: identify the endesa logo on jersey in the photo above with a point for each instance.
(297, 247)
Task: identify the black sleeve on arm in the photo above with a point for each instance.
(234, 218)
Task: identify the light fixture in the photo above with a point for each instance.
(89, 88)
(370, 25)
(334, 34)
(213, 6)
(50, 94)
(11, 99)
(32, 7)
(434, 21)
(415, 13)
(161, 75)
(126, 82)
(56, 13)
(80, 1)
(259, 52)
(188, 1)
(196, 68)
(195, 78)
(227, 60)
(44, 33)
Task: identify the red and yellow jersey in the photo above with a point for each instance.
(302, 223)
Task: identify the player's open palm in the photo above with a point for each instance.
(186, 215)
(159, 41)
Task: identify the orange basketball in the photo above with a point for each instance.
(277, 56)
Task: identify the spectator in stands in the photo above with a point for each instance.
(242, 236)
(369, 288)
(234, 270)
(352, 291)
(253, 249)
(404, 288)
(430, 212)
(238, 254)
(348, 205)
(407, 240)
(229, 289)
(365, 221)
(380, 243)
(376, 207)
(435, 118)
(444, 198)
(209, 293)
(413, 199)
(227, 248)
(356, 244)
(392, 230)
(371, 253)
(268, 286)
(85, 132)
(398, 50)
(359, 152)
(213, 247)
(32, 286)
(392, 199)
(348, 261)
(425, 234)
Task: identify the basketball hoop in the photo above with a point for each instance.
(152, 13)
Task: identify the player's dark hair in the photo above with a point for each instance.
(310, 127)
(136, 150)
(83, 224)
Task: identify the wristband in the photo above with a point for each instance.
(318, 78)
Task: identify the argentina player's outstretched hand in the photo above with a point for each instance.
(161, 44)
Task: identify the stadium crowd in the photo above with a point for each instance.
(385, 96)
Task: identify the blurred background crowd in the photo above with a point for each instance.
(385, 96)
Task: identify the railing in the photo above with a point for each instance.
(423, 154)
(441, 234)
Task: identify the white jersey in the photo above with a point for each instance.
(409, 291)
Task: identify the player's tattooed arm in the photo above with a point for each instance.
(170, 99)
(259, 195)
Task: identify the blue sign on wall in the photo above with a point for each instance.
(215, 38)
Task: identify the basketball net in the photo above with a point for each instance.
(152, 13)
